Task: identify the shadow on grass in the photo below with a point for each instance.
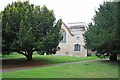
(43, 60)
(110, 62)
(37, 61)
(22, 62)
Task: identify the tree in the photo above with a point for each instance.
(103, 35)
(27, 28)
(52, 40)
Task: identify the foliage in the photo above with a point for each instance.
(103, 35)
(27, 28)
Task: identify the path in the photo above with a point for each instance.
(59, 64)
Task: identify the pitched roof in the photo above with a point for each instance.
(67, 28)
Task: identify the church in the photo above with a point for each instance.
(72, 43)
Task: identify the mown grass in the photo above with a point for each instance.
(100, 69)
(62, 59)
(51, 59)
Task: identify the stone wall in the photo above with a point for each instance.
(67, 49)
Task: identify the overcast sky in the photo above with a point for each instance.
(68, 10)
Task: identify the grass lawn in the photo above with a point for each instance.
(100, 69)
(62, 59)
(50, 59)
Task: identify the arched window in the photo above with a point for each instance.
(64, 36)
(77, 47)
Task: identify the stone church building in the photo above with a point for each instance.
(73, 41)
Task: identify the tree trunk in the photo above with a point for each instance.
(29, 55)
(113, 57)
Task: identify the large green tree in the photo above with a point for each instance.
(27, 28)
(103, 34)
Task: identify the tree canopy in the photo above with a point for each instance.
(103, 34)
(27, 28)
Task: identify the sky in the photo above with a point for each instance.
(69, 11)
